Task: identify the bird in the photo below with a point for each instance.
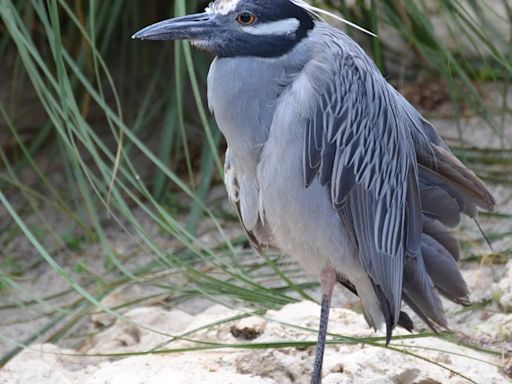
(328, 163)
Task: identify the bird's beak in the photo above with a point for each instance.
(198, 26)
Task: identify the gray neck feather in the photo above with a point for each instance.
(243, 93)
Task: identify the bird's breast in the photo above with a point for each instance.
(242, 95)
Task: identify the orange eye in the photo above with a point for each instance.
(246, 18)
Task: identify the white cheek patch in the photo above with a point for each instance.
(281, 27)
(222, 7)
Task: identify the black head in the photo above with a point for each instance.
(230, 28)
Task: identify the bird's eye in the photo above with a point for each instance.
(246, 18)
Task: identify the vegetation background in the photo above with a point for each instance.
(111, 165)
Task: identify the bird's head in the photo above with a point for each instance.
(231, 28)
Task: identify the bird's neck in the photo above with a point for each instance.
(243, 94)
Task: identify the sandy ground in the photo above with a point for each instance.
(344, 363)
(189, 324)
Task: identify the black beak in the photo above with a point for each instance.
(199, 26)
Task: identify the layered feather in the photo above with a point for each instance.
(394, 182)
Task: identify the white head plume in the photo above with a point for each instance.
(222, 7)
(317, 12)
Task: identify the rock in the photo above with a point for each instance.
(345, 363)
(497, 326)
(119, 298)
(184, 369)
(382, 380)
(139, 329)
(503, 290)
(406, 377)
(399, 56)
(249, 328)
(336, 378)
(507, 367)
(44, 364)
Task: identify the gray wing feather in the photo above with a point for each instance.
(420, 294)
(444, 272)
(438, 166)
(438, 204)
(258, 235)
(356, 140)
(443, 236)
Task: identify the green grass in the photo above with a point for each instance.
(104, 137)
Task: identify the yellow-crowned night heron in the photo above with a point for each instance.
(330, 164)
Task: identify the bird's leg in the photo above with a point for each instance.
(327, 281)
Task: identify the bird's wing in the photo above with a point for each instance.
(358, 141)
(442, 173)
(233, 190)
